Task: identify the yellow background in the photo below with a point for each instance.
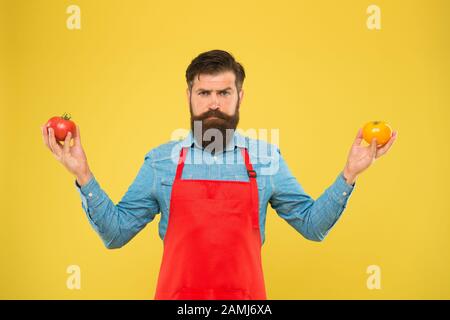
(314, 71)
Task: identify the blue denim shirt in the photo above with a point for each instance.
(149, 193)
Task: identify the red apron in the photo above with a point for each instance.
(212, 246)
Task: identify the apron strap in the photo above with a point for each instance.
(254, 189)
(251, 173)
(180, 166)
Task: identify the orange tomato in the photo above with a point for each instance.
(379, 130)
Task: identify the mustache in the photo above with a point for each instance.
(212, 113)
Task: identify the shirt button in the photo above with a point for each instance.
(344, 193)
(90, 194)
(215, 158)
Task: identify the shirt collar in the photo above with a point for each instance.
(237, 141)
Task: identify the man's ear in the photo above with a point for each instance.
(241, 95)
(188, 95)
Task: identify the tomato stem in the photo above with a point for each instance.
(66, 116)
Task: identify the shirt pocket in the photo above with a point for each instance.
(233, 172)
(167, 182)
(239, 173)
(166, 185)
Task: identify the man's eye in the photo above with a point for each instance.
(225, 93)
(204, 93)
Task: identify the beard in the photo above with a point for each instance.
(213, 129)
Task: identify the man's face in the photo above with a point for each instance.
(214, 100)
(214, 92)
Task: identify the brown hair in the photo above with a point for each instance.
(214, 62)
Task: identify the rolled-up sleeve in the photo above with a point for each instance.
(311, 218)
(118, 224)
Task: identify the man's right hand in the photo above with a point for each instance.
(72, 157)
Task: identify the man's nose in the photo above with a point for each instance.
(214, 102)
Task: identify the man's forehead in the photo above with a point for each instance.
(214, 81)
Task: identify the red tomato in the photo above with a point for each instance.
(61, 126)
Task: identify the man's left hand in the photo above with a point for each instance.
(361, 157)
